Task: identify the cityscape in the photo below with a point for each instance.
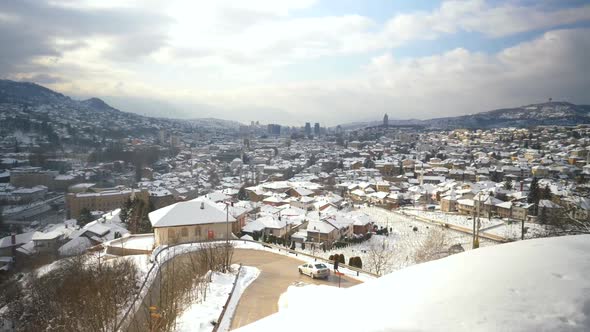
(255, 167)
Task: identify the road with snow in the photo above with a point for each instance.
(277, 273)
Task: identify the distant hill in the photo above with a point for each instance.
(550, 113)
(32, 94)
(28, 93)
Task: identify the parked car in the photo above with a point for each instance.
(315, 270)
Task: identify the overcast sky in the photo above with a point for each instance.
(294, 61)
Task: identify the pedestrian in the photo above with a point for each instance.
(336, 262)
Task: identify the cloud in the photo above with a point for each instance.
(478, 16)
(225, 58)
(37, 29)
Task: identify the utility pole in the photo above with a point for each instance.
(476, 227)
(226, 236)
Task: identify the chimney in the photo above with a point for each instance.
(202, 205)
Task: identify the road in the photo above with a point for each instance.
(277, 273)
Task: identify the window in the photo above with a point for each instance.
(198, 231)
(184, 232)
(170, 232)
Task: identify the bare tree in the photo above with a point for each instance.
(564, 222)
(435, 246)
(77, 295)
(379, 256)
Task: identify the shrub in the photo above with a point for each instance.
(341, 259)
(331, 257)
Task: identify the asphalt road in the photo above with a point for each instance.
(277, 273)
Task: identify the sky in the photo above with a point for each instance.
(297, 61)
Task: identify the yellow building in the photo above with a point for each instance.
(192, 221)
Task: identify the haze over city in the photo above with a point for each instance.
(295, 61)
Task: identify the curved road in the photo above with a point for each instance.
(277, 273)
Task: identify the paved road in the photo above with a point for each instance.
(277, 273)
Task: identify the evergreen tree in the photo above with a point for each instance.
(508, 184)
(85, 217)
(533, 196)
(242, 195)
(369, 163)
(546, 193)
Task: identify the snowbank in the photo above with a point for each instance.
(532, 285)
(198, 317)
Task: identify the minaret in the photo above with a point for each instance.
(385, 120)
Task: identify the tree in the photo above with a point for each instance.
(242, 195)
(369, 163)
(137, 219)
(125, 210)
(380, 254)
(508, 184)
(435, 246)
(311, 161)
(546, 193)
(533, 196)
(543, 216)
(85, 217)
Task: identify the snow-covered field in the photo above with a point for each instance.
(500, 227)
(198, 316)
(519, 286)
(403, 240)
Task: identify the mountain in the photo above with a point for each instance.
(27, 93)
(31, 95)
(551, 113)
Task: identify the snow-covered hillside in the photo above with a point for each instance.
(532, 285)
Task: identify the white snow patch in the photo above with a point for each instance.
(531, 285)
(198, 316)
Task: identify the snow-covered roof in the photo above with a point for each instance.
(188, 213)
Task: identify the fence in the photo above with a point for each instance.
(231, 293)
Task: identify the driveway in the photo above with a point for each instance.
(277, 273)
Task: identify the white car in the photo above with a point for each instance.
(315, 270)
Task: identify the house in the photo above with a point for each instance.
(268, 225)
(465, 206)
(190, 222)
(504, 209)
(322, 231)
(520, 210)
(48, 242)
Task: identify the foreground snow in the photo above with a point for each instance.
(532, 285)
(198, 316)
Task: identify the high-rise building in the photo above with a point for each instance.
(316, 129)
(385, 120)
(307, 129)
(274, 129)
